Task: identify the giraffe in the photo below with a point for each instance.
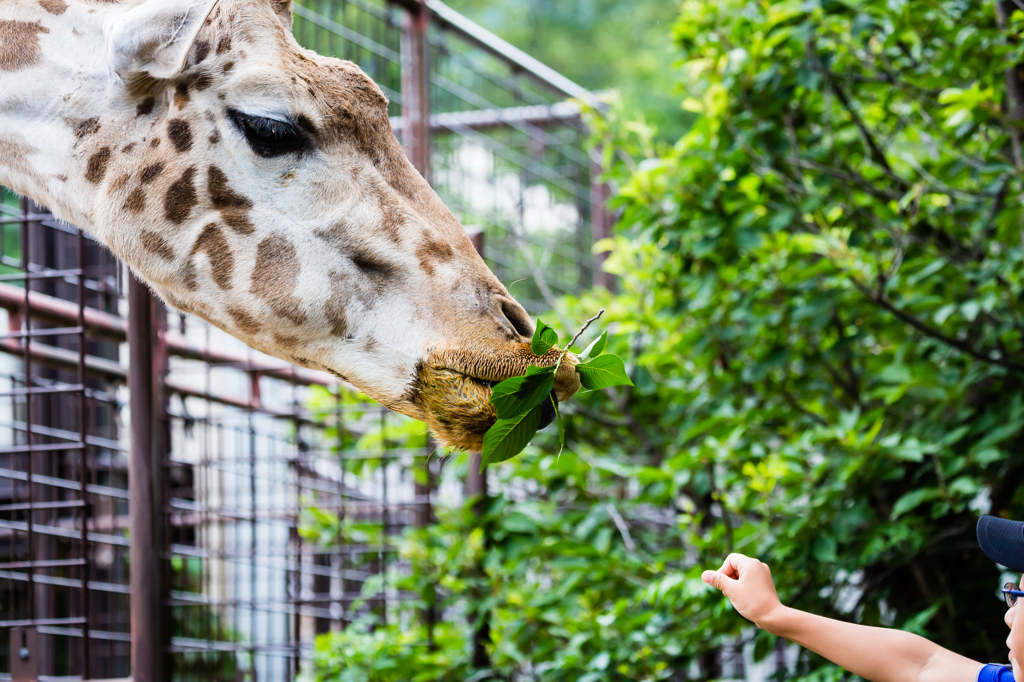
(259, 186)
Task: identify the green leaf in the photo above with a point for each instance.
(912, 500)
(603, 372)
(508, 437)
(596, 347)
(544, 339)
(517, 395)
(561, 427)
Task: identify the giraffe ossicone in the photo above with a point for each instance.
(259, 186)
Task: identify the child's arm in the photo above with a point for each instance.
(876, 654)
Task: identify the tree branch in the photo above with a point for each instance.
(928, 330)
(877, 155)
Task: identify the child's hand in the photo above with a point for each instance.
(748, 584)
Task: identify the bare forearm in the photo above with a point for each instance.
(876, 654)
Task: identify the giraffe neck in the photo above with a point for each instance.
(56, 102)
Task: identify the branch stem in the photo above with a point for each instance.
(584, 328)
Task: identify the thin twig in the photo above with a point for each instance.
(620, 523)
(585, 325)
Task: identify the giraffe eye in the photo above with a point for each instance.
(268, 137)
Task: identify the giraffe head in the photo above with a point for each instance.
(259, 186)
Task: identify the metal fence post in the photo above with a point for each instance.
(150, 629)
(600, 220)
(416, 86)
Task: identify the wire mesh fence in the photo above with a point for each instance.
(253, 449)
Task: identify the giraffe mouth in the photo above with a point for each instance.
(453, 390)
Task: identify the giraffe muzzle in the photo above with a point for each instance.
(453, 389)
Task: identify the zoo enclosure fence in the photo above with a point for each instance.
(198, 570)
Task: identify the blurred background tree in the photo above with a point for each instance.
(819, 300)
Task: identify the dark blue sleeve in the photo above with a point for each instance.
(995, 673)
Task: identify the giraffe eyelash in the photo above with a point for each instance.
(268, 137)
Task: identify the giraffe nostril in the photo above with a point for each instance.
(517, 317)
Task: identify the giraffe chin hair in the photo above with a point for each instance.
(453, 390)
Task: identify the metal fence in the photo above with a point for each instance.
(209, 576)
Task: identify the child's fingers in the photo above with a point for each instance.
(717, 579)
(732, 564)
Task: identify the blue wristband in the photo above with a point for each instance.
(995, 673)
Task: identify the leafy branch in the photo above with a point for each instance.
(525, 404)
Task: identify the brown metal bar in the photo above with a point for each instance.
(83, 429)
(149, 633)
(601, 220)
(539, 115)
(25, 506)
(416, 88)
(102, 490)
(27, 355)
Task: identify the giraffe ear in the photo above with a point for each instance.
(151, 41)
(283, 9)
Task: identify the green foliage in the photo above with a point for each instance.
(520, 401)
(544, 338)
(508, 437)
(358, 654)
(521, 394)
(819, 309)
(605, 371)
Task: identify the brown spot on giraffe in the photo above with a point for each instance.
(155, 244)
(180, 133)
(276, 275)
(136, 201)
(379, 271)
(14, 153)
(287, 342)
(202, 82)
(96, 167)
(154, 143)
(234, 208)
(244, 322)
(224, 44)
(227, 67)
(431, 252)
(214, 137)
(118, 184)
(215, 245)
(391, 217)
(86, 127)
(150, 173)
(181, 197)
(56, 7)
(180, 97)
(188, 277)
(201, 50)
(127, 149)
(19, 44)
(335, 309)
(145, 107)
(195, 308)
